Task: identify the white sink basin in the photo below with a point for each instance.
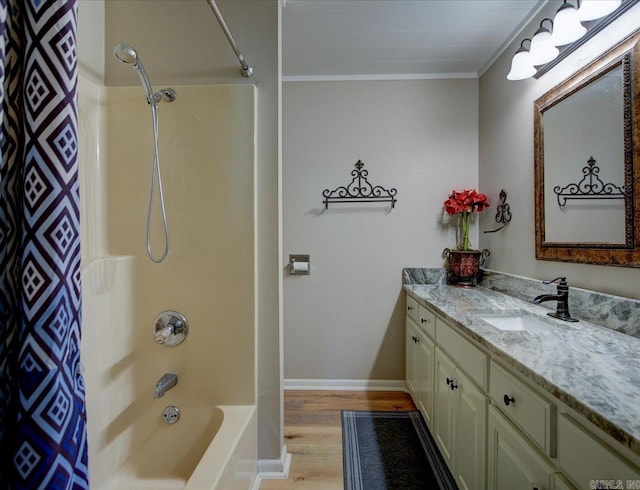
(516, 322)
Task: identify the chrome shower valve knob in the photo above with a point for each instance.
(170, 328)
(163, 335)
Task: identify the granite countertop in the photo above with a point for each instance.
(592, 369)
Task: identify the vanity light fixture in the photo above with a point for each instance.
(564, 33)
(521, 65)
(594, 9)
(566, 25)
(542, 49)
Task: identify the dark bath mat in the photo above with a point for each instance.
(391, 451)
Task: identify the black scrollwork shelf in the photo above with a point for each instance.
(359, 190)
(590, 187)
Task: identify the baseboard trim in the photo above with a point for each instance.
(346, 384)
(274, 469)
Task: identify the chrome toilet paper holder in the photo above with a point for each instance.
(299, 265)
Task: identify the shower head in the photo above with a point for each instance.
(127, 54)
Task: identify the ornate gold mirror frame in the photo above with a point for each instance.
(625, 54)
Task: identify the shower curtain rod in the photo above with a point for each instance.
(246, 70)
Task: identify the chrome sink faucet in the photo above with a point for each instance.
(562, 297)
(164, 384)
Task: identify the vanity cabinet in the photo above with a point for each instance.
(513, 461)
(446, 407)
(453, 406)
(561, 483)
(460, 422)
(495, 428)
(532, 413)
(425, 357)
(584, 459)
(420, 351)
(411, 356)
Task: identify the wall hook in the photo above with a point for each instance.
(503, 213)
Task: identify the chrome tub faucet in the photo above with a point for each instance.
(562, 297)
(164, 384)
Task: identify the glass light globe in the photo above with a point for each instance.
(521, 66)
(566, 26)
(542, 49)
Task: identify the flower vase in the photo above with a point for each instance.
(464, 266)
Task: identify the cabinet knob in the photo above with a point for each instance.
(423, 320)
(409, 308)
(413, 337)
(449, 381)
(508, 400)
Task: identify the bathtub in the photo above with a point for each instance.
(207, 449)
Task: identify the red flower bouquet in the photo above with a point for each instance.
(463, 204)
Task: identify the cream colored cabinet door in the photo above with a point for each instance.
(471, 430)
(460, 421)
(513, 462)
(425, 361)
(561, 483)
(445, 407)
(410, 357)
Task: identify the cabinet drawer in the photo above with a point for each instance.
(412, 308)
(427, 321)
(584, 458)
(472, 361)
(530, 411)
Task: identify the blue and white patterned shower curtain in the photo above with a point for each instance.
(43, 441)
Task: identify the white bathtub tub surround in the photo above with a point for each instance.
(208, 173)
(209, 448)
(230, 460)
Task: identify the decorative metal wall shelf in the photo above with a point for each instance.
(359, 190)
(503, 213)
(590, 187)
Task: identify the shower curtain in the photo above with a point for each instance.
(43, 440)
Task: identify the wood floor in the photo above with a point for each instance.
(313, 434)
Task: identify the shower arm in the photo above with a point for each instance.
(246, 70)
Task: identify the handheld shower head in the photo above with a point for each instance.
(128, 55)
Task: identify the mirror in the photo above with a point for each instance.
(587, 162)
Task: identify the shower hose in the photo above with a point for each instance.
(156, 178)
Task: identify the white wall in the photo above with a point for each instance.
(506, 162)
(346, 320)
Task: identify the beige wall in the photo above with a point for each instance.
(346, 320)
(506, 162)
(180, 42)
